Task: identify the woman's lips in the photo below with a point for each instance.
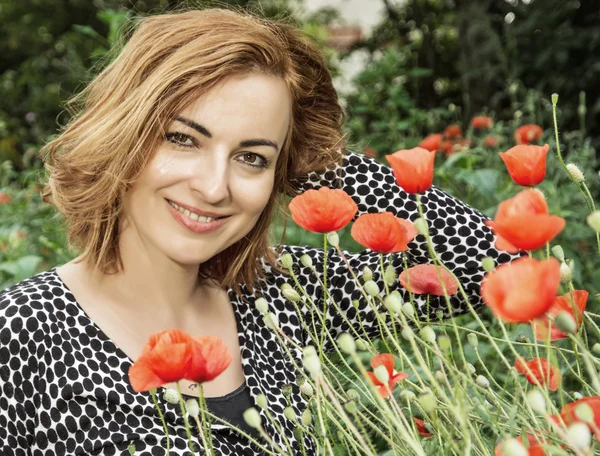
(196, 226)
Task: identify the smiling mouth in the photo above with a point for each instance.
(193, 216)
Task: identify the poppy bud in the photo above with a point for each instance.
(352, 394)
(172, 396)
(393, 303)
(575, 173)
(287, 391)
(312, 364)
(408, 310)
(371, 288)
(131, 449)
(291, 295)
(389, 276)
(407, 395)
(558, 252)
(362, 344)
(439, 375)
(193, 407)
(536, 401)
(287, 260)
(261, 401)
(513, 447)
(306, 417)
(445, 343)
(473, 341)
(488, 264)
(471, 369)
(262, 305)
(421, 226)
(428, 334)
(596, 348)
(307, 389)
(593, 220)
(579, 434)
(428, 402)
(566, 271)
(270, 320)
(565, 322)
(407, 333)
(355, 303)
(367, 274)
(289, 413)
(333, 238)
(252, 418)
(346, 343)
(554, 98)
(351, 407)
(306, 261)
(382, 374)
(482, 381)
(309, 350)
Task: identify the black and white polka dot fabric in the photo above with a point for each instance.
(64, 388)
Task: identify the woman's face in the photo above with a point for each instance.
(218, 159)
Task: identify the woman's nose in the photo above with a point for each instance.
(211, 179)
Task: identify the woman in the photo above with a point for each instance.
(167, 179)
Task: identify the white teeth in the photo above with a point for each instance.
(191, 215)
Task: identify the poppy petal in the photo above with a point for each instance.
(424, 279)
(210, 357)
(413, 168)
(385, 359)
(323, 210)
(542, 326)
(142, 377)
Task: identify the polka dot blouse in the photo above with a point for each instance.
(64, 388)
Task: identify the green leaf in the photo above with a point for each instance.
(485, 181)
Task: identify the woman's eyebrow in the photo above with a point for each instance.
(247, 143)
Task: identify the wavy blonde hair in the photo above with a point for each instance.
(169, 61)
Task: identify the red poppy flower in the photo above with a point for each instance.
(523, 221)
(526, 134)
(5, 199)
(386, 360)
(421, 429)
(446, 146)
(526, 164)
(413, 168)
(542, 326)
(453, 131)
(323, 210)
(424, 280)
(383, 232)
(210, 357)
(369, 152)
(432, 142)
(521, 290)
(482, 122)
(569, 415)
(490, 142)
(534, 449)
(542, 372)
(165, 358)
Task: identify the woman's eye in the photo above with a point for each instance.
(180, 139)
(254, 160)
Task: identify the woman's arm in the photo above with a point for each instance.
(457, 231)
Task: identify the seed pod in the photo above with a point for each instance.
(482, 381)
(307, 389)
(408, 310)
(346, 342)
(312, 364)
(351, 407)
(428, 334)
(306, 261)
(392, 303)
(367, 274)
(407, 333)
(252, 418)
(389, 275)
(193, 407)
(558, 252)
(333, 238)
(473, 341)
(488, 264)
(371, 288)
(306, 417)
(289, 413)
(353, 395)
(362, 344)
(261, 401)
(287, 260)
(262, 305)
(565, 322)
(536, 401)
(291, 295)
(171, 395)
(428, 402)
(382, 374)
(271, 321)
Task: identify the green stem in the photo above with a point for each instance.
(162, 419)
